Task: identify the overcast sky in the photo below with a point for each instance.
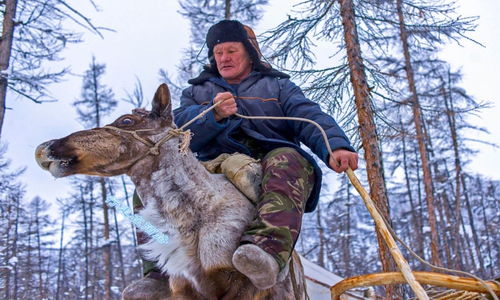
(151, 35)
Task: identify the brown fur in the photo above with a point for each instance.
(203, 214)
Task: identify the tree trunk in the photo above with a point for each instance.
(419, 191)
(28, 267)
(468, 248)
(486, 227)
(9, 243)
(417, 222)
(137, 257)
(321, 233)
(107, 246)
(460, 249)
(129, 206)
(60, 262)
(368, 132)
(92, 264)
(453, 232)
(86, 243)
(227, 10)
(458, 168)
(448, 236)
(450, 113)
(475, 238)
(96, 93)
(14, 250)
(41, 289)
(417, 118)
(120, 252)
(5, 53)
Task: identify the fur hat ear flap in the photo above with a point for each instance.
(252, 38)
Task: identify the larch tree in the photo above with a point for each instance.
(334, 21)
(136, 97)
(11, 195)
(457, 107)
(78, 206)
(64, 212)
(118, 237)
(488, 203)
(367, 126)
(35, 241)
(97, 101)
(33, 35)
(413, 32)
(376, 28)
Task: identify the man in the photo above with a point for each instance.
(240, 82)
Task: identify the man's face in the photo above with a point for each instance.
(233, 61)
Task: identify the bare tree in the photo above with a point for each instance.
(417, 118)
(11, 195)
(490, 225)
(321, 236)
(369, 136)
(32, 35)
(203, 14)
(97, 100)
(5, 52)
(136, 97)
(60, 255)
(420, 28)
(293, 40)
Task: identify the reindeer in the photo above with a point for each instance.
(203, 214)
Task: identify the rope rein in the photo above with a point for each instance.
(154, 148)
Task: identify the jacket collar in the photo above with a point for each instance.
(248, 81)
(207, 75)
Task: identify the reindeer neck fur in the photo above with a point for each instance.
(203, 214)
(178, 184)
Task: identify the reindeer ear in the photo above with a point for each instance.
(162, 104)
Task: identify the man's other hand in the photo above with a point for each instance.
(340, 159)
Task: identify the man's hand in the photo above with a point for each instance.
(226, 108)
(340, 159)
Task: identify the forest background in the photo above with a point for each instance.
(126, 49)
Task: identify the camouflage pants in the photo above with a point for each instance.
(287, 182)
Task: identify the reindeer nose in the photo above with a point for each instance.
(41, 155)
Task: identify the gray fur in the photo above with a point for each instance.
(204, 213)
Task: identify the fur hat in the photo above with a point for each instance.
(234, 31)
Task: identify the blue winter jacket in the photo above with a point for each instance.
(272, 95)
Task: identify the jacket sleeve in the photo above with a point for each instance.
(204, 129)
(295, 104)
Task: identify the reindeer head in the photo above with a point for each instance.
(108, 151)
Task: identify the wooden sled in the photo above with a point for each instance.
(436, 279)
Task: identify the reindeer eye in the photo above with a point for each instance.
(127, 121)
